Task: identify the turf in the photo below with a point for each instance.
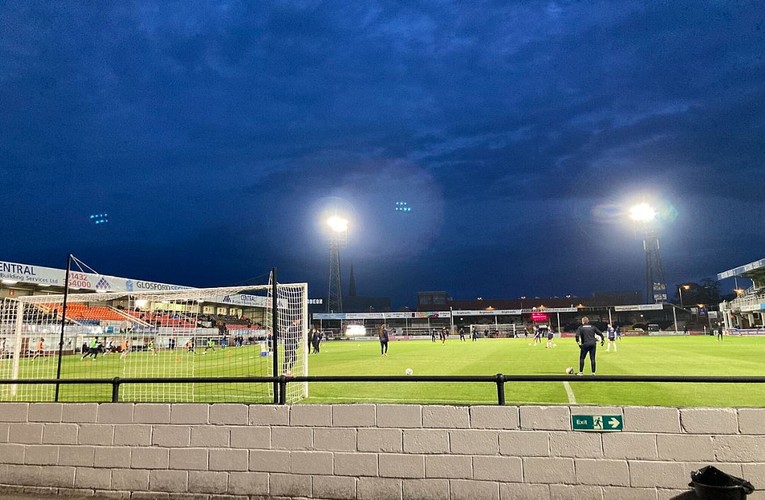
(742, 356)
(245, 361)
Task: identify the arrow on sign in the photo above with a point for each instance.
(614, 422)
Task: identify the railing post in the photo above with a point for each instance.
(116, 390)
(282, 389)
(500, 389)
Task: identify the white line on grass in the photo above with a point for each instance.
(570, 393)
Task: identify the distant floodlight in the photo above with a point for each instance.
(99, 218)
(642, 212)
(337, 224)
(403, 206)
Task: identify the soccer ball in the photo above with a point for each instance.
(570, 370)
(409, 371)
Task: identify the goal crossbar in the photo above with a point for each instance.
(188, 332)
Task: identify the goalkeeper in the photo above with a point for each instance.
(291, 342)
(586, 338)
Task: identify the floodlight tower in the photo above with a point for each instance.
(655, 286)
(338, 238)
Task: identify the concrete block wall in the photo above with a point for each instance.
(367, 451)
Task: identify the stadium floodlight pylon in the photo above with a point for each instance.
(191, 332)
(338, 238)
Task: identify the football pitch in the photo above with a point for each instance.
(671, 356)
(702, 355)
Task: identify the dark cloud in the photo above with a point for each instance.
(519, 133)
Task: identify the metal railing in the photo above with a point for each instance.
(280, 383)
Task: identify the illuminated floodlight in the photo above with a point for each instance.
(642, 212)
(403, 206)
(339, 227)
(337, 224)
(99, 218)
(656, 287)
(680, 292)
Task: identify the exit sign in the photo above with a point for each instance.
(597, 423)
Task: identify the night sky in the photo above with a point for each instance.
(218, 135)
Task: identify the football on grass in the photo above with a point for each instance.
(570, 370)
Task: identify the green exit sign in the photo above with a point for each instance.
(597, 423)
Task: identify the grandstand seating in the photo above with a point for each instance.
(163, 319)
(83, 312)
(94, 314)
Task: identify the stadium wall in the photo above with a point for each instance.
(369, 451)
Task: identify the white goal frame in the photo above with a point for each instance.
(157, 346)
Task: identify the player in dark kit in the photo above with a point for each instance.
(538, 336)
(384, 338)
(586, 338)
(291, 343)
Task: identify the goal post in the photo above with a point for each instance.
(191, 332)
(292, 336)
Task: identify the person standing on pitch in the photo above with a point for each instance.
(538, 336)
(314, 340)
(291, 343)
(720, 332)
(384, 338)
(550, 337)
(462, 333)
(586, 338)
(39, 348)
(611, 331)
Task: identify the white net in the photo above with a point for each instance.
(212, 332)
(499, 330)
(292, 337)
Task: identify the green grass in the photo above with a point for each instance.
(742, 356)
(245, 361)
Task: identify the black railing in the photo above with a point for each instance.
(281, 382)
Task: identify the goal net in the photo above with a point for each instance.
(498, 330)
(208, 332)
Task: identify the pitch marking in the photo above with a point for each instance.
(569, 393)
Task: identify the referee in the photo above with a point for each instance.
(586, 338)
